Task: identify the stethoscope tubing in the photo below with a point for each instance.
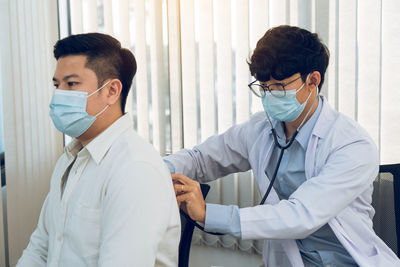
(282, 148)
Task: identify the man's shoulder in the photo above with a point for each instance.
(331, 121)
(340, 130)
(131, 153)
(348, 128)
(136, 166)
(130, 144)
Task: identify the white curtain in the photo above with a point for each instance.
(192, 72)
(29, 29)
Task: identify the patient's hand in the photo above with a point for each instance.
(189, 197)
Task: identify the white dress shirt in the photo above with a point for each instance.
(117, 207)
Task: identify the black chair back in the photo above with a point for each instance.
(387, 216)
(187, 233)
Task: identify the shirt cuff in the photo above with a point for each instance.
(223, 219)
(170, 166)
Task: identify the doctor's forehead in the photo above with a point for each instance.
(287, 79)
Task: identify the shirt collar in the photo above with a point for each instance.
(72, 149)
(305, 132)
(280, 133)
(99, 146)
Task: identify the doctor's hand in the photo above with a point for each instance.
(189, 197)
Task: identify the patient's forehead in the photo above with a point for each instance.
(73, 66)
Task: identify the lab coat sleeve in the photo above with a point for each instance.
(35, 255)
(349, 171)
(221, 154)
(137, 210)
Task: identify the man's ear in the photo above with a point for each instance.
(114, 89)
(315, 78)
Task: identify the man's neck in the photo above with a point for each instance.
(96, 129)
(291, 127)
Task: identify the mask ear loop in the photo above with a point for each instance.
(302, 86)
(309, 110)
(104, 109)
(99, 88)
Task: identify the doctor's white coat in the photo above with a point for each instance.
(341, 164)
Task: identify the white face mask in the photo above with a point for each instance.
(285, 108)
(68, 111)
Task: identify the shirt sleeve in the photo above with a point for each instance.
(216, 157)
(35, 255)
(138, 218)
(223, 219)
(171, 167)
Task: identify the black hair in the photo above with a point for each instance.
(105, 57)
(286, 50)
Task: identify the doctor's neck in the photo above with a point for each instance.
(290, 127)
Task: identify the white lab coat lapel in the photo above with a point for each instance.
(352, 232)
(313, 163)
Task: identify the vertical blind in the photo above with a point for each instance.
(192, 71)
(32, 145)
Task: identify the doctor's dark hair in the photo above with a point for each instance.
(105, 57)
(286, 50)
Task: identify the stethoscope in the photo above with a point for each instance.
(282, 150)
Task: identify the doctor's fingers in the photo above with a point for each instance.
(184, 188)
(195, 206)
(178, 177)
(185, 184)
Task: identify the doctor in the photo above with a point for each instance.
(320, 164)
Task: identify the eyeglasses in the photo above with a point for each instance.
(275, 89)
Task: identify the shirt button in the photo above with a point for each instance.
(59, 238)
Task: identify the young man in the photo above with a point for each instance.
(319, 211)
(111, 199)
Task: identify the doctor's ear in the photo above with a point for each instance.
(114, 89)
(315, 78)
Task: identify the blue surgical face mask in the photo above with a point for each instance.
(68, 111)
(286, 108)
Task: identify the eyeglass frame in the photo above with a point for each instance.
(266, 88)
